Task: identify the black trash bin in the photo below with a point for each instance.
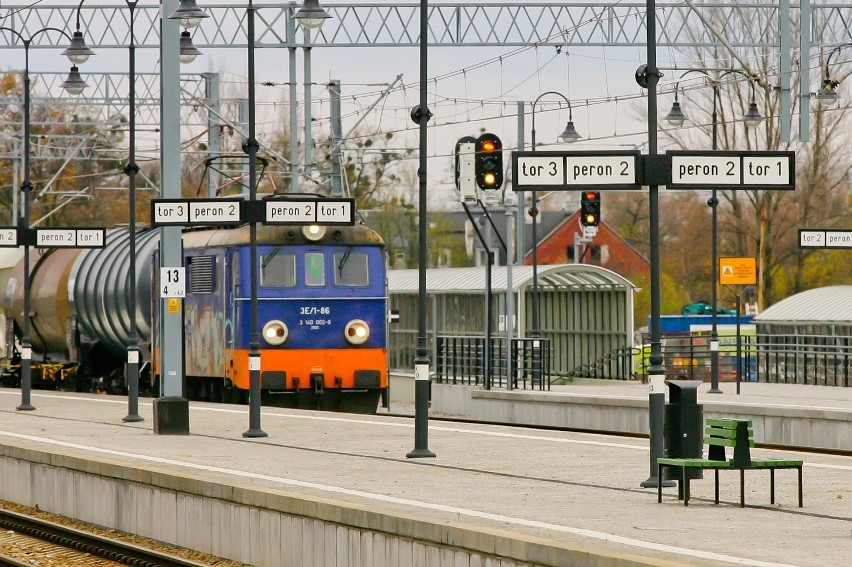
(683, 419)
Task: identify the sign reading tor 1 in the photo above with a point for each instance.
(308, 211)
(763, 170)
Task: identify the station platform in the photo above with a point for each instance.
(784, 415)
(337, 490)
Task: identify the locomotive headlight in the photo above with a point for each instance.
(313, 232)
(275, 332)
(357, 332)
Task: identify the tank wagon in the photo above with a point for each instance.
(322, 306)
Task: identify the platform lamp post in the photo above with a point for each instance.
(310, 16)
(420, 115)
(77, 53)
(676, 118)
(648, 76)
(569, 135)
(131, 169)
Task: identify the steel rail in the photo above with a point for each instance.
(106, 548)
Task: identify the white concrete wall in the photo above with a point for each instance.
(774, 424)
(263, 527)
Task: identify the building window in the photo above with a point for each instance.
(587, 254)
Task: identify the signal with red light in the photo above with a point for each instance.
(489, 162)
(590, 208)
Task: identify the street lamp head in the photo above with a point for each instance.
(828, 95)
(188, 14)
(675, 117)
(78, 52)
(74, 84)
(753, 117)
(311, 15)
(569, 135)
(188, 52)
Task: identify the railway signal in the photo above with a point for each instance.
(465, 168)
(590, 208)
(488, 163)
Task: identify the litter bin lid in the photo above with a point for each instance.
(683, 391)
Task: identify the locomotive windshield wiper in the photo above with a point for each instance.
(343, 260)
(270, 256)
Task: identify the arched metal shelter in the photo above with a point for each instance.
(807, 338)
(585, 311)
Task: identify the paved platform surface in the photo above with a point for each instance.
(751, 393)
(581, 490)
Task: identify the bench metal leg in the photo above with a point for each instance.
(742, 488)
(685, 481)
(659, 483)
(800, 485)
(772, 486)
(716, 474)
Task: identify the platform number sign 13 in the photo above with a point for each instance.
(173, 282)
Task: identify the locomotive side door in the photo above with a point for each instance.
(205, 313)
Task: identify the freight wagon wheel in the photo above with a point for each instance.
(233, 395)
(69, 379)
(10, 375)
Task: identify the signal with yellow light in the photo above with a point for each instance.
(488, 163)
(590, 208)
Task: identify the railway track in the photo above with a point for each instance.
(26, 541)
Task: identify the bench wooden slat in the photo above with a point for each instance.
(726, 422)
(725, 442)
(768, 463)
(724, 433)
(695, 463)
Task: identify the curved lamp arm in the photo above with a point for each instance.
(829, 84)
(570, 134)
(752, 117)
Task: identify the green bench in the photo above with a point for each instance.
(739, 436)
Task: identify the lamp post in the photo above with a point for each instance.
(647, 76)
(250, 147)
(74, 84)
(310, 16)
(130, 169)
(827, 94)
(421, 114)
(570, 136)
(676, 117)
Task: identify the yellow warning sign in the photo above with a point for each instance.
(737, 271)
(173, 305)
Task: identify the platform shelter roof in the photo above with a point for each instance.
(472, 280)
(832, 304)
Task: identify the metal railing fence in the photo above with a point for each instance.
(784, 359)
(461, 360)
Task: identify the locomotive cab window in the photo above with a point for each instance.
(314, 269)
(278, 270)
(351, 269)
